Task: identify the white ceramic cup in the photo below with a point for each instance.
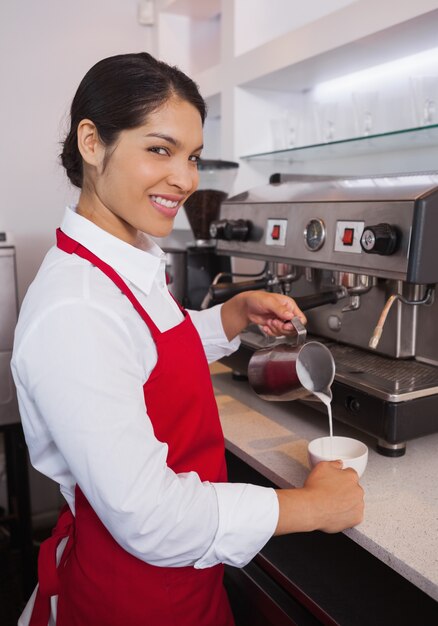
(351, 452)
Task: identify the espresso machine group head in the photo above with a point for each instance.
(359, 255)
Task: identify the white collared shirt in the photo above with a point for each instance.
(81, 357)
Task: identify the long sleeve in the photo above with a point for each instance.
(208, 323)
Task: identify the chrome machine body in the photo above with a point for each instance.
(355, 253)
(8, 319)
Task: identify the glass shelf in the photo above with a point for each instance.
(410, 138)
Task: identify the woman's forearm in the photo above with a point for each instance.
(234, 316)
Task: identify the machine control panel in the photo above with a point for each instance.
(345, 208)
(348, 236)
(276, 231)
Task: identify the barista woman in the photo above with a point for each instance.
(114, 387)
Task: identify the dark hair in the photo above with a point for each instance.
(118, 93)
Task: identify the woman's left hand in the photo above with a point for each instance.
(271, 311)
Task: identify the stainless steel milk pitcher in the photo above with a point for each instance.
(291, 371)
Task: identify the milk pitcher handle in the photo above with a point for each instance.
(300, 337)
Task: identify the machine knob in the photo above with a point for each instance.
(379, 239)
(230, 230)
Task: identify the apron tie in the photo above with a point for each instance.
(48, 577)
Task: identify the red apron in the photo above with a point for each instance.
(97, 582)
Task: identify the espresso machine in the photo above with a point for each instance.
(360, 256)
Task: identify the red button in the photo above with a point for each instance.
(275, 234)
(348, 237)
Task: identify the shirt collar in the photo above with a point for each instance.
(139, 266)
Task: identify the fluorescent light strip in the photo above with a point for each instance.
(421, 64)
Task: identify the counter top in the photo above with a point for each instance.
(401, 494)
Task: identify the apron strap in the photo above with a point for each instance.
(48, 578)
(69, 245)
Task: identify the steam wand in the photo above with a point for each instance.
(375, 338)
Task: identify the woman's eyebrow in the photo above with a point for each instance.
(171, 140)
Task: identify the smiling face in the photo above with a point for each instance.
(141, 182)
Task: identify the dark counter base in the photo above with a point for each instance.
(316, 578)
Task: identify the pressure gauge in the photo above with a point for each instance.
(314, 234)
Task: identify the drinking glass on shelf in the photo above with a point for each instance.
(326, 117)
(365, 110)
(424, 91)
(279, 132)
(293, 121)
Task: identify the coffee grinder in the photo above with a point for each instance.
(191, 261)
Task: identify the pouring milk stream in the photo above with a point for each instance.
(325, 396)
(288, 371)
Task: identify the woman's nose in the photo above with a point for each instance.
(184, 176)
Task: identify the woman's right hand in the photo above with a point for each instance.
(331, 500)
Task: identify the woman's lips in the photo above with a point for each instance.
(166, 205)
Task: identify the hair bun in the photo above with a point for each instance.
(71, 159)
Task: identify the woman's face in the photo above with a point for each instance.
(148, 174)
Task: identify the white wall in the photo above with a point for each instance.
(46, 46)
(272, 19)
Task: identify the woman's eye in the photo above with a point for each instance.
(159, 150)
(195, 158)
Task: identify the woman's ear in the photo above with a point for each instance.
(91, 148)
